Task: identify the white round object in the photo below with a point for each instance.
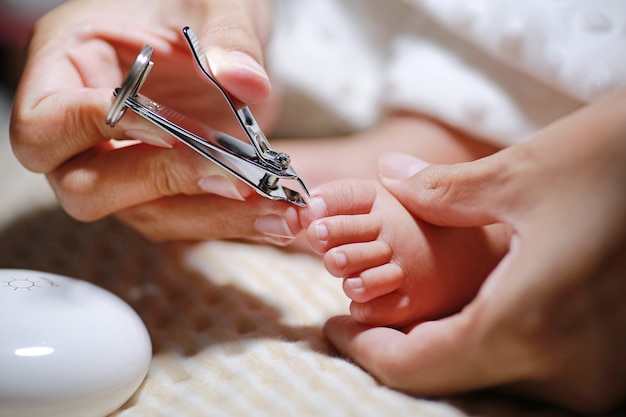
(67, 347)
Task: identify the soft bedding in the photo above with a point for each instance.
(235, 327)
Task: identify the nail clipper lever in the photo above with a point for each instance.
(255, 163)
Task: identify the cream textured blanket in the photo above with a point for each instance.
(236, 328)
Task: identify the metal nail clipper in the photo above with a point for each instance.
(255, 163)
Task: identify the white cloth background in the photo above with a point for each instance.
(498, 69)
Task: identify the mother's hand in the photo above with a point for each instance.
(81, 51)
(550, 320)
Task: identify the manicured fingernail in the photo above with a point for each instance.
(317, 205)
(147, 137)
(273, 225)
(245, 61)
(219, 185)
(399, 166)
(279, 241)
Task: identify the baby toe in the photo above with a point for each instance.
(331, 232)
(354, 258)
(395, 309)
(374, 282)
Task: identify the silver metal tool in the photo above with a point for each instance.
(255, 162)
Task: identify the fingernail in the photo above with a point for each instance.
(274, 226)
(219, 185)
(318, 208)
(279, 241)
(147, 137)
(245, 61)
(399, 166)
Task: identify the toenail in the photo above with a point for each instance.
(321, 232)
(340, 259)
(355, 283)
(317, 206)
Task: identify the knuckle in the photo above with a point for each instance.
(433, 185)
(74, 191)
(26, 142)
(43, 138)
(170, 177)
(163, 177)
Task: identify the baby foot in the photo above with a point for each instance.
(396, 269)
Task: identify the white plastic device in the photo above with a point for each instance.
(67, 347)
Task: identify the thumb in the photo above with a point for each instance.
(233, 38)
(462, 195)
(441, 357)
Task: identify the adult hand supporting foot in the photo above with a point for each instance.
(550, 320)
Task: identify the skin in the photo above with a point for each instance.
(396, 268)
(75, 66)
(541, 308)
(77, 57)
(549, 321)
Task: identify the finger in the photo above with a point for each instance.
(435, 358)
(55, 114)
(39, 146)
(463, 195)
(499, 338)
(43, 146)
(233, 38)
(62, 103)
(203, 217)
(104, 180)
